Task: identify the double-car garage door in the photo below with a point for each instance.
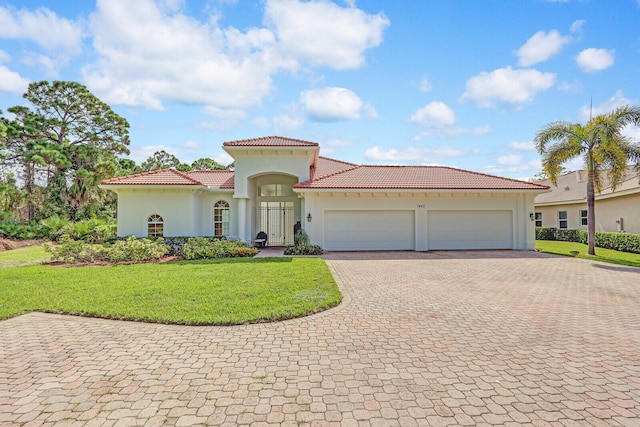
(395, 230)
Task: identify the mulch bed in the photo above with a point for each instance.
(10, 244)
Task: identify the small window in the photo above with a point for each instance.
(221, 218)
(562, 219)
(538, 219)
(583, 218)
(155, 226)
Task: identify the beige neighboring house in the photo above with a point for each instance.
(280, 184)
(566, 205)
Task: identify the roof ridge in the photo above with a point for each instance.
(338, 161)
(268, 137)
(333, 173)
(495, 176)
(184, 175)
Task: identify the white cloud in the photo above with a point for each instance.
(434, 114)
(191, 147)
(593, 60)
(42, 27)
(522, 146)
(616, 101)
(287, 122)
(4, 56)
(507, 87)
(540, 47)
(425, 85)
(509, 160)
(158, 56)
(324, 34)
(331, 104)
(413, 155)
(12, 82)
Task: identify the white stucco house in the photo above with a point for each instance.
(278, 182)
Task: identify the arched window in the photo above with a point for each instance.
(155, 226)
(221, 218)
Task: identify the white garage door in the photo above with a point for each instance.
(369, 230)
(469, 230)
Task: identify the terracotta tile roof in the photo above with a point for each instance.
(158, 177)
(218, 178)
(327, 166)
(270, 141)
(416, 177)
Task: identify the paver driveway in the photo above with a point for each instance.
(443, 338)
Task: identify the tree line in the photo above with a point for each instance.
(55, 150)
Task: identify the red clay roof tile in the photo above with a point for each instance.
(270, 141)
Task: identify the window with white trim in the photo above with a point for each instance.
(155, 226)
(583, 217)
(538, 219)
(221, 218)
(562, 219)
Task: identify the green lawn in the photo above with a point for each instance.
(207, 292)
(22, 256)
(605, 255)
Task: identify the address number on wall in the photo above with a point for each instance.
(421, 206)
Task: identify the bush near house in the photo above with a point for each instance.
(207, 248)
(302, 246)
(624, 242)
(131, 250)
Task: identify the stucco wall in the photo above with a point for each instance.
(521, 204)
(177, 207)
(608, 211)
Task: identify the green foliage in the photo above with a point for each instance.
(579, 250)
(207, 163)
(623, 242)
(163, 160)
(206, 248)
(55, 226)
(302, 246)
(131, 250)
(92, 230)
(22, 231)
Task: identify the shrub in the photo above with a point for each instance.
(302, 245)
(90, 230)
(204, 247)
(22, 230)
(54, 226)
(303, 250)
(623, 242)
(130, 250)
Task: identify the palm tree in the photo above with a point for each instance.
(606, 153)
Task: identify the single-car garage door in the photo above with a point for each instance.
(469, 230)
(369, 230)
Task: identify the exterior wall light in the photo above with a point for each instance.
(309, 217)
(532, 216)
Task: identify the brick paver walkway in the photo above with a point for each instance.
(468, 338)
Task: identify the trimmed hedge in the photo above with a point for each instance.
(623, 242)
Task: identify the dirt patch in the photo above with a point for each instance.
(9, 244)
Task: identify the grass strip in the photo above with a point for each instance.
(605, 255)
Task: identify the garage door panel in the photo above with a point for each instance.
(469, 230)
(369, 230)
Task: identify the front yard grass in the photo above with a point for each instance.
(205, 292)
(605, 255)
(21, 256)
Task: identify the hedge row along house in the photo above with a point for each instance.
(565, 206)
(280, 184)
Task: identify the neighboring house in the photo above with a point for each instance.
(566, 205)
(280, 182)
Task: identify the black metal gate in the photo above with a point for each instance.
(276, 219)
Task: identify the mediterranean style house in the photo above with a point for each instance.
(566, 205)
(281, 184)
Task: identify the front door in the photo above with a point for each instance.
(276, 219)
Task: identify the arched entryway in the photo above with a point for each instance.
(277, 209)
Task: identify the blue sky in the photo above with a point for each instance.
(462, 83)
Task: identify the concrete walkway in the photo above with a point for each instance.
(443, 338)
